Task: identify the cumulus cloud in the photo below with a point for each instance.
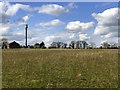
(53, 9)
(108, 25)
(11, 10)
(84, 37)
(78, 26)
(4, 28)
(107, 22)
(25, 18)
(7, 31)
(65, 37)
(52, 23)
(8, 10)
(50, 38)
(7, 26)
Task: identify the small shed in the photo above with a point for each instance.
(14, 45)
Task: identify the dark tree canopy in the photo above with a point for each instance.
(42, 45)
(4, 43)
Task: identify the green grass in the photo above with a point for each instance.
(58, 68)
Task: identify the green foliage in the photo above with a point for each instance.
(60, 68)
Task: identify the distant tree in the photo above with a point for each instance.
(100, 47)
(72, 44)
(65, 45)
(53, 45)
(42, 45)
(92, 45)
(58, 44)
(113, 45)
(105, 45)
(23, 46)
(31, 46)
(4, 43)
(85, 44)
(78, 44)
(36, 45)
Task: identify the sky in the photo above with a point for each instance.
(59, 21)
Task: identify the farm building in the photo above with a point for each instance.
(14, 45)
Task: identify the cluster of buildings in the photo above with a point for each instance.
(13, 44)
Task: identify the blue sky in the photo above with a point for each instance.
(60, 21)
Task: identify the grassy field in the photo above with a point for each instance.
(36, 68)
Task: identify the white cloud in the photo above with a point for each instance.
(84, 37)
(50, 38)
(64, 37)
(61, 37)
(107, 22)
(55, 22)
(25, 18)
(78, 26)
(107, 26)
(72, 36)
(8, 10)
(53, 9)
(7, 31)
(11, 10)
(4, 29)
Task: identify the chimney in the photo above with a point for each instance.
(26, 27)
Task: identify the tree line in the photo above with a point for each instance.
(72, 45)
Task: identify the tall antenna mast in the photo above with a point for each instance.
(26, 27)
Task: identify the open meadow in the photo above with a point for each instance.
(60, 68)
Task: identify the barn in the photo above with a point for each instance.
(14, 45)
